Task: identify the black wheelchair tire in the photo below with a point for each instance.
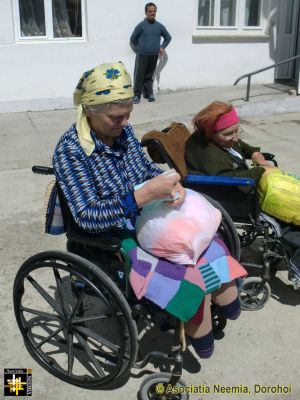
(148, 392)
(249, 294)
(227, 230)
(116, 363)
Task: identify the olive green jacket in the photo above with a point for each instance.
(211, 159)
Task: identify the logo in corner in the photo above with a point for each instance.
(17, 382)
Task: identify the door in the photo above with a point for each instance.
(297, 67)
(287, 37)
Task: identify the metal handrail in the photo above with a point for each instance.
(261, 70)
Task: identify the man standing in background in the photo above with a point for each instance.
(146, 42)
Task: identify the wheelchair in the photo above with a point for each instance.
(239, 197)
(81, 321)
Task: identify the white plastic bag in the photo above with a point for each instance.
(179, 234)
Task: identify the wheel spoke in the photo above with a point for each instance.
(89, 333)
(43, 314)
(257, 301)
(49, 337)
(79, 303)
(70, 353)
(90, 354)
(66, 307)
(45, 295)
(91, 318)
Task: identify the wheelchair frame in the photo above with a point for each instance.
(96, 350)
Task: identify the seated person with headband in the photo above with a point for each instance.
(215, 148)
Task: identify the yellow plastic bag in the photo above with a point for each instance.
(279, 195)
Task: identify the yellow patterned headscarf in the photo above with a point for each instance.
(100, 85)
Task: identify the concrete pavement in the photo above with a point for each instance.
(261, 347)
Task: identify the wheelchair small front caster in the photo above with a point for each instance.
(156, 387)
(253, 294)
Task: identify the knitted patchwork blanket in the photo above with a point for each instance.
(180, 289)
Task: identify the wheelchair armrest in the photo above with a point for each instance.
(42, 170)
(217, 180)
(101, 242)
(270, 157)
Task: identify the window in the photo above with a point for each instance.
(49, 19)
(228, 13)
(252, 13)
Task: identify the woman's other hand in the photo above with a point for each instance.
(163, 186)
(259, 161)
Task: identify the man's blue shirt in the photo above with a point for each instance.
(146, 37)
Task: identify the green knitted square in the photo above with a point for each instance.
(186, 301)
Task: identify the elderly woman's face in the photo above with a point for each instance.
(109, 124)
(227, 137)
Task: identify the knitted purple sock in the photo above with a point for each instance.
(204, 346)
(231, 310)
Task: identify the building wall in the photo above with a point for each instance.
(42, 75)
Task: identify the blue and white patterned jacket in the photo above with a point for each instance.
(99, 188)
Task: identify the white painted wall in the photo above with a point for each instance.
(6, 26)
(44, 74)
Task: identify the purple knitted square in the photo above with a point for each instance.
(170, 270)
(161, 289)
(142, 267)
(216, 249)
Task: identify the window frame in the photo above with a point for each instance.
(49, 37)
(235, 31)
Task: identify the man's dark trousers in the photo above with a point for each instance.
(143, 74)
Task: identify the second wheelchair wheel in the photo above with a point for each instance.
(75, 322)
(156, 387)
(253, 294)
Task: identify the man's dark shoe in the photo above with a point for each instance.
(136, 99)
(151, 98)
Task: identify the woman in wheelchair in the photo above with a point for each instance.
(98, 162)
(216, 149)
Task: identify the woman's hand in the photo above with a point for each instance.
(179, 190)
(259, 160)
(163, 186)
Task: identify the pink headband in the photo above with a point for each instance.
(226, 120)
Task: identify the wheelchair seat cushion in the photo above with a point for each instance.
(180, 289)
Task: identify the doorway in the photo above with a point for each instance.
(288, 44)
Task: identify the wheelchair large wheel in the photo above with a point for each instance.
(155, 387)
(227, 230)
(253, 295)
(74, 320)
